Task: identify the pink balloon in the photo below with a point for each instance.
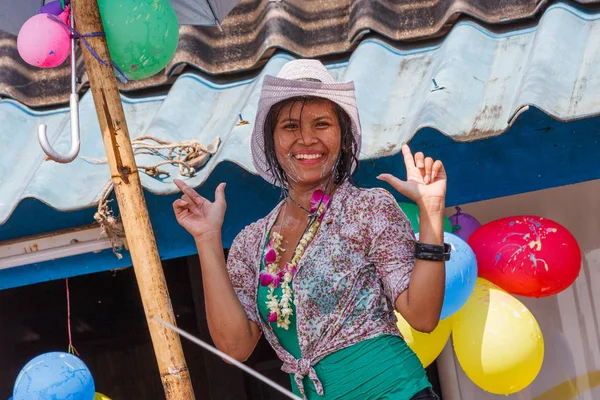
(43, 42)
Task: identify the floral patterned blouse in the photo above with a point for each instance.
(358, 263)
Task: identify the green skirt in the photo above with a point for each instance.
(380, 368)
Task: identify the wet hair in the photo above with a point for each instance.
(348, 147)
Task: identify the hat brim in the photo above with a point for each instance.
(275, 90)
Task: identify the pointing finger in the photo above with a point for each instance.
(408, 157)
(193, 196)
(187, 199)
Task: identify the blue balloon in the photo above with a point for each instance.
(56, 376)
(461, 274)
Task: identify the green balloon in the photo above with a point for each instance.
(412, 212)
(142, 35)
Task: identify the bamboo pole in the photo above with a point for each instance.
(136, 222)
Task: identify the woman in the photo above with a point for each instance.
(321, 275)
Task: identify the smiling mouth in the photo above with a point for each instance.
(307, 156)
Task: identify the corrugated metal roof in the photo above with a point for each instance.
(468, 87)
(256, 28)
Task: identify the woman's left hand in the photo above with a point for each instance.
(425, 179)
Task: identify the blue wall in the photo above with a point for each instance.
(536, 153)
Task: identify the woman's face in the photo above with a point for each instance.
(307, 141)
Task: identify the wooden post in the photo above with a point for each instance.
(136, 222)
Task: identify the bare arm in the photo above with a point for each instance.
(231, 330)
(421, 303)
(229, 326)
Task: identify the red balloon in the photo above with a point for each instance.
(527, 255)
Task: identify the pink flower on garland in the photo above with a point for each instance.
(265, 278)
(319, 199)
(276, 280)
(272, 317)
(270, 254)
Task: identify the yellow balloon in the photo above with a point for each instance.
(497, 340)
(427, 346)
(100, 396)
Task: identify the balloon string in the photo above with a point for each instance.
(71, 348)
(456, 227)
(74, 34)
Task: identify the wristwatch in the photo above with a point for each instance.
(432, 252)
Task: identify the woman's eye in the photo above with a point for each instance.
(292, 127)
(322, 124)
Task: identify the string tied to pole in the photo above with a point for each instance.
(83, 38)
(110, 224)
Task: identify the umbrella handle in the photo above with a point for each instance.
(43, 137)
(74, 108)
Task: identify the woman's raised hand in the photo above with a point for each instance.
(425, 179)
(198, 216)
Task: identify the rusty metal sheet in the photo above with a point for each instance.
(256, 29)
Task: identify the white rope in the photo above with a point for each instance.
(188, 155)
(111, 225)
(229, 359)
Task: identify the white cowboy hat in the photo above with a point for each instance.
(299, 78)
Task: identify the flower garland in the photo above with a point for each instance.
(273, 276)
